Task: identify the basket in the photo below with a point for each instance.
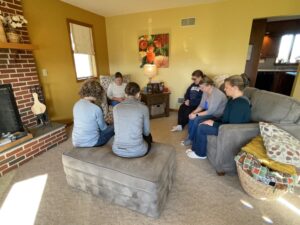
(258, 189)
(13, 37)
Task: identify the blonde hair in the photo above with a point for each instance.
(207, 81)
(240, 81)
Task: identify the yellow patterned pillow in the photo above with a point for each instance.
(256, 147)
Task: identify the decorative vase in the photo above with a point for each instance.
(2, 33)
(13, 36)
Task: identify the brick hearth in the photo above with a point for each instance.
(18, 68)
(44, 139)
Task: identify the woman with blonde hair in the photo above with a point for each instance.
(211, 106)
(237, 110)
(89, 128)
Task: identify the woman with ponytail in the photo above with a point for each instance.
(237, 110)
(132, 125)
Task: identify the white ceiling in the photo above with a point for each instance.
(119, 7)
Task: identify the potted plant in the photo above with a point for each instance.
(12, 22)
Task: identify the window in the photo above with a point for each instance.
(289, 49)
(81, 37)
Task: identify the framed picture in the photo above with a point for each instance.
(154, 49)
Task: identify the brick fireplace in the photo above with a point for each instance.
(18, 68)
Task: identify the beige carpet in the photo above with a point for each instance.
(198, 196)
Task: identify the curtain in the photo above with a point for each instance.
(82, 39)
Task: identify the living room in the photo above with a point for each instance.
(218, 44)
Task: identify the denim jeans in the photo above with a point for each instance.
(200, 140)
(114, 103)
(193, 125)
(105, 135)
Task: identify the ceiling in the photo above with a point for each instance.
(120, 7)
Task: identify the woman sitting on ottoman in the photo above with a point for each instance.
(132, 125)
(90, 128)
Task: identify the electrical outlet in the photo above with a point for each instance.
(44, 72)
(180, 100)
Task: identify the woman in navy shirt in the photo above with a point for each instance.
(237, 110)
(192, 99)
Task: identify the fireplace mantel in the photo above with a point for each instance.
(17, 46)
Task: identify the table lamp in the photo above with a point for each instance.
(150, 70)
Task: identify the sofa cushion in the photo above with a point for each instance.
(281, 146)
(276, 108)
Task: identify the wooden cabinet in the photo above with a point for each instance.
(158, 104)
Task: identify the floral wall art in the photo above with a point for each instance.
(154, 49)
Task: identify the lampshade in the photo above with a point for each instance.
(150, 70)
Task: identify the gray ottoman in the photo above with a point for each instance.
(140, 184)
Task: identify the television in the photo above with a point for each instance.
(10, 120)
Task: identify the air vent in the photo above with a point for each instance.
(188, 22)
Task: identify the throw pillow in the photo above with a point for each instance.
(256, 148)
(281, 146)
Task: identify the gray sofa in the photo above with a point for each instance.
(267, 106)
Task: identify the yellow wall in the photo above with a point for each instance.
(47, 29)
(217, 44)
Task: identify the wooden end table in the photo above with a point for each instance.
(158, 104)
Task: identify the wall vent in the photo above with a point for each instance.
(188, 22)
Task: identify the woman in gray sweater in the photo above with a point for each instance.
(212, 105)
(132, 125)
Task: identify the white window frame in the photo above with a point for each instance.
(290, 49)
(90, 67)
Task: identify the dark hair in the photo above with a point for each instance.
(118, 75)
(240, 81)
(91, 88)
(132, 89)
(198, 73)
(207, 81)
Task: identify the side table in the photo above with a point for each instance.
(158, 103)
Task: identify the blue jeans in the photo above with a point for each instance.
(200, 140)
(114, 103)
(105, 135)
(193, 125)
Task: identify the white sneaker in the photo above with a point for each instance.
(177, 128)
(194, 156)
(188, 150)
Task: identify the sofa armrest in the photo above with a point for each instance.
(231, 138)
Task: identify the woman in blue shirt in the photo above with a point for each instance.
(192, 99)
(237, 110)
(89, 128)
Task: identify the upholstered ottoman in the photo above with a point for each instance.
(141, 184)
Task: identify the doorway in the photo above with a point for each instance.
(274, 54)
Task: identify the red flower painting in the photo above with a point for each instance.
(154, 49)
